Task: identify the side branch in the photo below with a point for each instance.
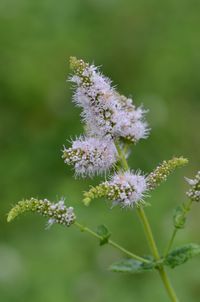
(111, 242)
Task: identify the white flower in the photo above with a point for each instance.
(194, 192)
(129, 120)
(105, 112)
(128, 189)
(90, 155)
(124, 188)
(96, 97)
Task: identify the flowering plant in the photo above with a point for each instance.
(112, 124)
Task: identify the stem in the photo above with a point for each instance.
(150, 238)
(125, 149)
(156, 255)
(186, 209)
(119, 247)
(148, 233)
(114, 244)
(122, 157)
(167, 284)
(170, 242)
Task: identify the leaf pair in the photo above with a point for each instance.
(177, 257)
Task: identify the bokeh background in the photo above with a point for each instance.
(151, 50)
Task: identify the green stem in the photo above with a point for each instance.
(148, 233)
(114, 244)
(121, 157)
(186, 209)
(156, 255)
(167, 284)
(150, 238)
(170, 242)
(188, 206)
(125, 149)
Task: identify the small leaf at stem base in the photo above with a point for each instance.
(179, 217)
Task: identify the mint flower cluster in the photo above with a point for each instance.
(105, 112)
(56, 212)
(108, 117)
(124, 188)
(112, 123)
(90, 156)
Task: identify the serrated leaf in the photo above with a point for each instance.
(103, 231)
(182, 254)
(179, 218)
(132, 266)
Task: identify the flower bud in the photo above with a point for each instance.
(160, 174)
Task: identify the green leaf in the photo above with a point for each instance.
(103, 231)
(179, 217)
(132, 266)
(182, 254)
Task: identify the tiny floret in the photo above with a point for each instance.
(56, 212)
(194, 191)
(90, 156)
(160, 174)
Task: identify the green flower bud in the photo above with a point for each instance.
(56, 212)
(160, 174)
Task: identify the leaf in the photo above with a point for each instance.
(103, 231)
(179, 218)
(132, 266)
(182, 254)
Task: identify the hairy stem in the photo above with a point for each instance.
(114, 244)
(149, 235)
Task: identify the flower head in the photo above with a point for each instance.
(90, 155)
(125, 188)
(106, 113)
(95, 96)
(130, 124)
(194, 191)
(57, 212)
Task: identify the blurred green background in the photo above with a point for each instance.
(151, 50)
